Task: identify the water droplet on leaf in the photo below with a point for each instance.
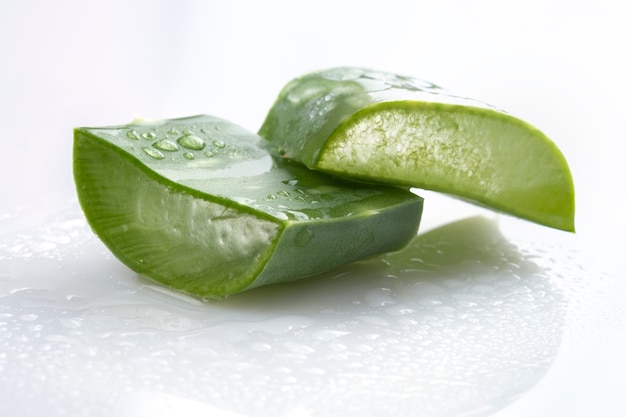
(131, 134)
(166, 145)
(153, 153)
(191, 141)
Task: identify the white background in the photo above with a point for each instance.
(558, 64)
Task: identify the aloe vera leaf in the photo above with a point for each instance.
(380, 127)
(204, 207)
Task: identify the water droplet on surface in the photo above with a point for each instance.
(329, 334)
(343, 74)
(298, 215)
(148, 135)
(71, 323)
(379, 297)
(132, 134)
(399, 310)
(192, 142)
(429, 301)
(29, 317)
(166, 145)
(305, 92)
(219, 144)
(188, 155)
(374, 320)
(73, 298)
(299, 348)
(261, 347)
(153, 153)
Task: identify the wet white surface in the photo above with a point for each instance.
(465, 321)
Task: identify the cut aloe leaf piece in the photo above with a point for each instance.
(202, 206)
(379, 127)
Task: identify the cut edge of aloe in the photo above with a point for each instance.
(138, 243)
(438, 146)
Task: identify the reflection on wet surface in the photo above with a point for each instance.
(462, 322)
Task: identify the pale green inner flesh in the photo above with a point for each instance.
(478, 154)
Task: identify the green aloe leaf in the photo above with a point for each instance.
(379, 127)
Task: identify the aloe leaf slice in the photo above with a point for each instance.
(202, 206)
(380, 127)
